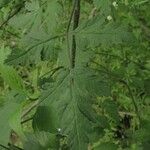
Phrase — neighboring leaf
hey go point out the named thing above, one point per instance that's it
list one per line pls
(8, 73)
(15, 122)
(38, 42)
(97, 32)
(52, 15)
(11, 77)
(35, 18)
(10, 107)
(29, 19)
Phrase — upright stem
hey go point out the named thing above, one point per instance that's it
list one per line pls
(75, 15)
(76, 18)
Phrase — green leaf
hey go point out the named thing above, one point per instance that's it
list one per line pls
(11, 107)
(53, 11)
(15, 122)
(11, 77)
(72, 98)
(97, 32)
(41, 26)
(8, 73)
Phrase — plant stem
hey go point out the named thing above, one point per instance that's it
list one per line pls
(75, 25)
(34, 105)
(4, 147)
(26, 120)
(75, 15)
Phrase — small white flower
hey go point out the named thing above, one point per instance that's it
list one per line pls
(59, 129)
(109, 18)
(115, 4)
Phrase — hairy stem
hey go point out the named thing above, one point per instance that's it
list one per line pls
(75, 25)
(75, 15)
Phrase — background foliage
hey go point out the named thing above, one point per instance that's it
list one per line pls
(74, 74)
